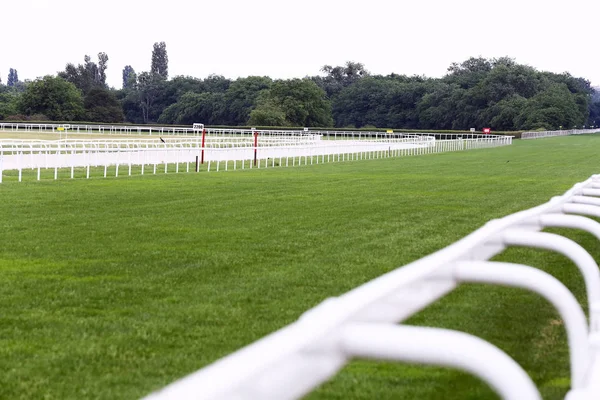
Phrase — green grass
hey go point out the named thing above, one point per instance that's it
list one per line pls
(112, 288)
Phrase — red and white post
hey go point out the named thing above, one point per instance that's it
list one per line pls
(203, 142)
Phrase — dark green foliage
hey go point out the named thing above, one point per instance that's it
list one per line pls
(8, 103)
(89, 75)
(301, 101)
(129, 100)
(439, 108)
(468, 73)
(381, 101)
(153, 96)
(207, 108)
(160, 60)
(268, 114)
(216, 84)
(129, 77)
(241, 97)
(54, 97)
(594, 118)
(102, 106)
(340, 77)
(476, 93)
(102, 65)
(149, 88)
(223, 102)
(180, 85)
(13, 77)
(551, 109)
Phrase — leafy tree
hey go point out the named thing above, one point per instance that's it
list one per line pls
(180, 85)
(503, 116)
(148, 100)
(241, 98)
(439, 108)
(468, 73)
(130, 103)
(216, 84)
(267, 115)
(380, 101)
(13, 78)
(8, 103)
(129, 77)
(580, 88)
(88, 75)
(160, 60)
(403, 101)
(208, 108)
(102, 65)
(301, 101)
(594, 118)
(149, 87)
(337, 78)
(171, 91)
(551, 109)
(102, 106)
(54, 97)
(363, 103)
(504, 81)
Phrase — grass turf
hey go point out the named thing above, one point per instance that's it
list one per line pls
(112, 288)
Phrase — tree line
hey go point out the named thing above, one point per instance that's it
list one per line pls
(496, 93)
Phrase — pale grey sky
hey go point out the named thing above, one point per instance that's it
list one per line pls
(285, 39)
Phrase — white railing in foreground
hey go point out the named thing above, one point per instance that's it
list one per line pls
(214, 153)
(363, 322)
(543, 134)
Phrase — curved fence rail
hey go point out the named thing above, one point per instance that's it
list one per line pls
(85, 158)
(544, 134)
(363, 322)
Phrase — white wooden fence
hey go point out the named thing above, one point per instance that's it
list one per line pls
(544, 134)
(108, 130)
(217, 152)
(363, 323)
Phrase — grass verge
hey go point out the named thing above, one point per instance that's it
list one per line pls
(113, 288)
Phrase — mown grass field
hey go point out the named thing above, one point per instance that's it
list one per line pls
(112, 288)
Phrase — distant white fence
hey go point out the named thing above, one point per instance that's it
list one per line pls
(223, 151)
(363, 322)
(544, 134)
(97, 129)
(59, 129)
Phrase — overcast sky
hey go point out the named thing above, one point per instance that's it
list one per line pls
(285, 39)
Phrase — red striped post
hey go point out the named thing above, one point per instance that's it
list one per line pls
(203, 139)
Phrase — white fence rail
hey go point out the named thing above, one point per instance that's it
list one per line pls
(363, 322)
(59, 129)
(220, 152)
(544, 134)
(97, 129)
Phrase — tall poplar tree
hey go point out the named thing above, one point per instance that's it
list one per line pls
(13, 78)
(160, 60)
(129, 77)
